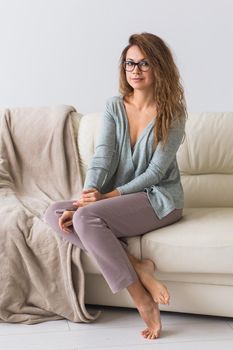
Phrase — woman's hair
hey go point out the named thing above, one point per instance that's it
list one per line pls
(168, 91)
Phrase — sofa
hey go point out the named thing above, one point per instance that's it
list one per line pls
(44, 155)
(193, 257)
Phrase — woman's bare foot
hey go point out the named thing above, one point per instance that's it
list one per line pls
(150, 314)
(157, 289)
(145, 269)
(147, 309)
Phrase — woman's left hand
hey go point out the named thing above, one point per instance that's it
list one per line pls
(88, 196)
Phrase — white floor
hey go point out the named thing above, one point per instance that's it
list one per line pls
(119, 329)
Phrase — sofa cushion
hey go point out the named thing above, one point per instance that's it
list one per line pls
(206, 160)
(201, 242)
(87, 137)
(205, 191)
(208, 146)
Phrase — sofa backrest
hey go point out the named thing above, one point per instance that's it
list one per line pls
(205, 157)
(206, 160)
(88, 130)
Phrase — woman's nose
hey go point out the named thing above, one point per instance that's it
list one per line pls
(136, 69)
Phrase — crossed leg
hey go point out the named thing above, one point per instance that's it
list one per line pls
(98, 228)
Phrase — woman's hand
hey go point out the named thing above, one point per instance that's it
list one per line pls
(65, 220)
(89, 196)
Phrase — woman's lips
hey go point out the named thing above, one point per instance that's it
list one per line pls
(137, 79)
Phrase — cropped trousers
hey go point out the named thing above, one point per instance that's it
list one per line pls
(101, 227)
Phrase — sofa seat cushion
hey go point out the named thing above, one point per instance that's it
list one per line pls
(200, 278)
(201, 242)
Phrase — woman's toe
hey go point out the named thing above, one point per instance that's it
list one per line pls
(162, 299)
(152, 335)
(148, 335)
(145, 331)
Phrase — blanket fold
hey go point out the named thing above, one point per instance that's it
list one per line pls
(39, 164)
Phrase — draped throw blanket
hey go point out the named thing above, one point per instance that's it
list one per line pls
(41, 275)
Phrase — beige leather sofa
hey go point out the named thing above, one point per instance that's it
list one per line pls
(194, 257)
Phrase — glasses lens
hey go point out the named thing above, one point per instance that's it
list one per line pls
(143, 66)
(128, 66)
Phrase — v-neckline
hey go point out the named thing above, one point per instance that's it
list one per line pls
(132, 148)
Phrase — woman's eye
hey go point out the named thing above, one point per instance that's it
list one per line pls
(144, 64)
(130, 64)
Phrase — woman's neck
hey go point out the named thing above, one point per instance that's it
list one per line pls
(142, 100)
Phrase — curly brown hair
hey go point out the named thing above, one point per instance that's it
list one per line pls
(168, 91)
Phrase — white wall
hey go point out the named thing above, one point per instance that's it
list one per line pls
(67, 51)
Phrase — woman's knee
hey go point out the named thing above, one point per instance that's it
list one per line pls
(80, 216)
(82, 219)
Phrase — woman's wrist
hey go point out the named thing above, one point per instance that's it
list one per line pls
(112, 194)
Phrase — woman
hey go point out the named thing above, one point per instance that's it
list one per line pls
(133, 183)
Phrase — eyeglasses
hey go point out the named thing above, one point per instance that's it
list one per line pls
(129, 66)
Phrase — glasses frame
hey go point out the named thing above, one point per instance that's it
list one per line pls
(134, 64)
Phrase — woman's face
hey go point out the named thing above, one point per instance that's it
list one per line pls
(138, 78)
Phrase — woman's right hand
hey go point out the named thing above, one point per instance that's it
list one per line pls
(65, 220)
(91, 195)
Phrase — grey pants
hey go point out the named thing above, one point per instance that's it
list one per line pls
(100, 228)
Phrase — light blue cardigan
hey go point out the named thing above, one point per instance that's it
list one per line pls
(116, 166)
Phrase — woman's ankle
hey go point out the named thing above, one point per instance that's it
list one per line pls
(138, 293)
(134, 261)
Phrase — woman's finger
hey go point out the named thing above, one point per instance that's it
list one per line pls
(65, 227)
(91, 199)
(89, 190)
(67, 230)
(65, 218)
(60, 223)
(68, 223)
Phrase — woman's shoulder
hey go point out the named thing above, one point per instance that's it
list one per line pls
(178, 122)
(114, 101)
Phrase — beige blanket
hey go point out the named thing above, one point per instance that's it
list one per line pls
(41, 276)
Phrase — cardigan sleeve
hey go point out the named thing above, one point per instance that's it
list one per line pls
(162, 158)
(99, 167)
